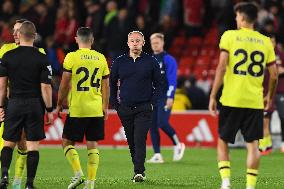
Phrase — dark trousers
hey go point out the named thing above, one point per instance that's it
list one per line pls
(136, 121)
(161, 118)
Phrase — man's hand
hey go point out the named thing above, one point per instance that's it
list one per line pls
(169, 103)
(58, 110)
(50, 118)
(267, 103)
(213, 107)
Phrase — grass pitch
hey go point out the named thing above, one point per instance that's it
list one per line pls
(197, 170)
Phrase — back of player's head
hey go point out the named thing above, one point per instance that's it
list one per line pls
(248, 9)
(157, 35)
(28, 30)
(85, 34)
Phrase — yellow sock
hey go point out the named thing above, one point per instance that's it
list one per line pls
(1, 139)
(225, 172)
(93, 163)
(262, 144)
(269, 141)
(251, 178)
(73, 158)
(20, 164)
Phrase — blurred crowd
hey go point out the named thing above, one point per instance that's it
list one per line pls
(111, 21)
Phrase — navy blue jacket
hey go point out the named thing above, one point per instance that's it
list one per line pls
(168, 66)
(140, 80)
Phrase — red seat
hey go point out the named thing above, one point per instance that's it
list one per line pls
(186, 62)
(195, 41)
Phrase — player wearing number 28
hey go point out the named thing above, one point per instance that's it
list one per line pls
(88, 102)
(244, 56)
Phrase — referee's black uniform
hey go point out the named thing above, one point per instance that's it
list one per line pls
(26, 68)
(140, 88)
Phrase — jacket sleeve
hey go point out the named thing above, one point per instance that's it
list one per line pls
(113, 84)
(157, 82)
(171, 72)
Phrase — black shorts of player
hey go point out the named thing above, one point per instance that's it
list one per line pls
(76, 128)
(24, 114)
(249, 121)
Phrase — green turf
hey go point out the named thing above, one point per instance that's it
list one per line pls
(197, 170)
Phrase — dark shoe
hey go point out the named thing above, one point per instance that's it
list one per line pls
(4, 183)
(139, 177)
(30, 187)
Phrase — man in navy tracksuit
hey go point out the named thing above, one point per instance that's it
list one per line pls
(140, 81)
(162, 112)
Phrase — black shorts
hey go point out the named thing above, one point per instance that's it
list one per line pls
(24, 114)
(76, 128)
(249, 121)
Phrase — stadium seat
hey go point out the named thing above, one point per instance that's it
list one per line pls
(195, 41)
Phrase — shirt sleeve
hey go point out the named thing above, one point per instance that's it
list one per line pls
(225, 42)
(67, 63)
(3, 67)
(113, 84)
(271, 58)
(46, 72)
(157, 82)
(171, 72)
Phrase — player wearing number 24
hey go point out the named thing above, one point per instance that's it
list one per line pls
(88, 102)
(244, 55)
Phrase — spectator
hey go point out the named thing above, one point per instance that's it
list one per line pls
(196, 95)
(181, 101)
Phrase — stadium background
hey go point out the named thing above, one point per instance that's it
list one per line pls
(192, 30)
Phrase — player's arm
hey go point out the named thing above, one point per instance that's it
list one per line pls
(63, 89)
(105, 95)
(273, 78)
(3, 94)
(3, 86)
(218, 81)
(46, 89)
(171, 71)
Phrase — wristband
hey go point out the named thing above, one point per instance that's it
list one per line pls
(49, 109)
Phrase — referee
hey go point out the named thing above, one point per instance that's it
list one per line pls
(140, 86)
(29, 76)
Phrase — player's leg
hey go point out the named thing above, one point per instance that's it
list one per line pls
(73, 131)
(20, 162)
(14, 121)
(265, 144)
(155, 138)
(34, 132)
(142, 124)
(224, 164)
(1, 133)
(253, 158)
(6, 158)
(32, 162)
(163, 123)
(229, 124)
(280, 109)
(252, 130)
(94, 132)
(126, 117)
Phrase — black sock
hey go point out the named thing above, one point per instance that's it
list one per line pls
(6, 158)
(32, 163)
